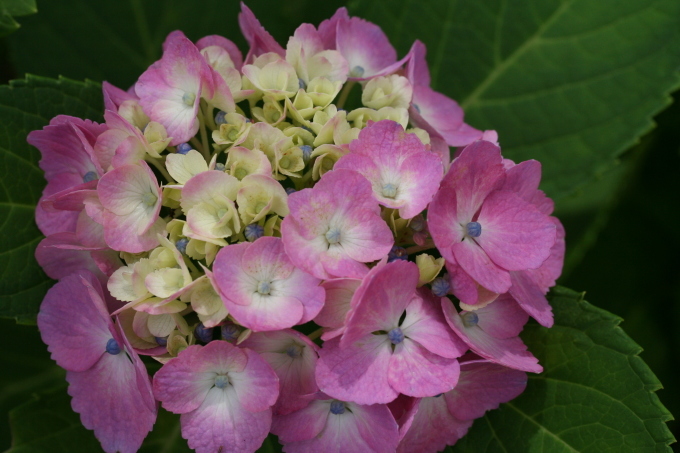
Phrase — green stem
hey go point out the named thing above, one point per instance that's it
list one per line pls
(204, 137)
(160, 166)
(419, 248)
(316, 334)
(344, 94)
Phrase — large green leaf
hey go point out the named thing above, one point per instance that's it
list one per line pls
(595, 395)
(26, 105)
(12, 8)
(116, 40)
(572, 83)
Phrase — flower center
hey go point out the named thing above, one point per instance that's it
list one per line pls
(112, 347)
(149, 199)
(264, 288)
(189, 99)
(389, 190)
(294, 350)
(221, 381)
(470, 319)
(338, 407)
(333, 235)
(357, 71)
(395, 335)
(89, 176)
(474, 229)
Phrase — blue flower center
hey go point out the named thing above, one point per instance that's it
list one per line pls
(333, 235)
(162, 341)
(221, 381)
(230, 332)
(389, 190)
(89, 176)
(474, 229)
(357, 71)
(264, 288)
(188, 99)
(397, 253)
(253, 231)
(294, 350)
(338, 407)
(112, 347)
(395, 335)
(440, 286)
(183, 148)
(470, 319)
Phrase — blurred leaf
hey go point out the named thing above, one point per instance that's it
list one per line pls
(572, 83)
(26, 369)
(11, 8)
(595, 395)
(117, 40)
(26, 105)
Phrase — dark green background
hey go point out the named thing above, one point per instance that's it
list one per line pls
(623, 242)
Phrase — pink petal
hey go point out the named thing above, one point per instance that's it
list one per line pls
(257, 386)
(328, 27)
(415, 371)
(425, 324)
(386, 293)
(301, 425)
(231, 48)
(339, 294)
(258, 38)
(364, 45)
(358, 372)
(74, 325)
(510, 352)
(479, 266)
(417, 70)
(222, 424)
(59, 258)
(473, 175)
(433, 427)
(530, 297)
(114, 96)
(515, 235)
(482, 387)
(109, 401)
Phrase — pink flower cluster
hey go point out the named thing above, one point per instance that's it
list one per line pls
(235, 221)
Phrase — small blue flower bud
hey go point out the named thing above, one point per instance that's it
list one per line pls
(162, 341)
(357, 71)
(397, 253)
(474, 229)
(307, 129)
(183, 148)
(395, 335)
(181, 245)
(441, 286)
(219, 166)
(220, 118)
(470, 319)
(290, 190)
(253, 232)
(248, 120)
(203, 333)
(230, 332)
(302, 84)
(338, 407)
(306, 152)
(90, 176)
(221, 381)
(112, 347)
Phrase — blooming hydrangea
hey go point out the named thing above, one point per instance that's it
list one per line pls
(236, 221)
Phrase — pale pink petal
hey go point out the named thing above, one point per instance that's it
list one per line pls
(503, 318)
(417, 70)
(358, 372)
(222, 424)
(231, 48)
(303, 424)
(109, 401)
(257, 386)
(114, 96)
(339, 294)
(328, 27)
(59, 258)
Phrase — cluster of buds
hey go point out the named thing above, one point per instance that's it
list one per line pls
(235, 221)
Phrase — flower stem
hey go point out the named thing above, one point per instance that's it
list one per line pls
(316, 334)
(344, 94)
(160, 166)
(419, 248)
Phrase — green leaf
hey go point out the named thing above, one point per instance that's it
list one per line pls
(117, 40)
(572, 83)
(595, 395)
(26, 105)
(47, 424)
(11, 8)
